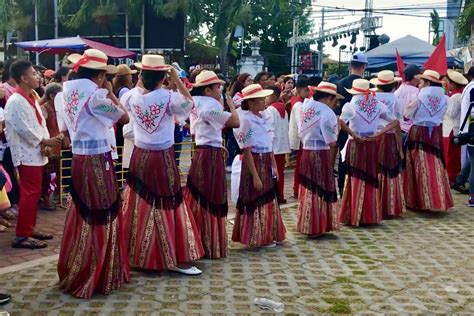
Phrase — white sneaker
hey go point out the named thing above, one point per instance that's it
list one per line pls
(188, 271)
(272, 245)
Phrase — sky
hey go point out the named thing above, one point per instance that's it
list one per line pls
(394, 26)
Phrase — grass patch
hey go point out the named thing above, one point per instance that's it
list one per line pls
(338, 306)
(344, 280)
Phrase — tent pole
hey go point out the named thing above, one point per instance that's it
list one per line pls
(36, 29)
(56, 32)
(142, 31)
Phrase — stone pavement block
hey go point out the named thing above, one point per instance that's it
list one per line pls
(402, 266)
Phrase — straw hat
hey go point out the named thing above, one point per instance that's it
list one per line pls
(430, 75)
(153, 63)
(385, 77)
(206, 78)
(360, 86)
(124, 70)
(255, 91)
(457, 77)
(91, 59)
(111, 69)
(328, 88)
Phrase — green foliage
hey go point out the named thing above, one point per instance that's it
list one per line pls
(435, 23)
(466, 19)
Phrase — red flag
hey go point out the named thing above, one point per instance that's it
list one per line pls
(438, 60)
(400, 66)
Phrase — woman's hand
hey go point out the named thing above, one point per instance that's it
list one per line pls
(257, 184)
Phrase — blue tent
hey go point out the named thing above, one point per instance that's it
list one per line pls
(411, 49)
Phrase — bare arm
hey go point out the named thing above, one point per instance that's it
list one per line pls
(346, 129)
(179, 84)
(333, 153)
(233, 121)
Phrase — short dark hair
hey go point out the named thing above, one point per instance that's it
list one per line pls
(470, 73)
(387, 87)
(279, 74)
(199, 91)
(288, 79)
(52, 88)
(6, 73)
(260, 75)
(58, 75)
(318, 95)
(315, 80)
(87, 73)
(18, 69)
(276, 91)
(245, 105)
(432, 83)
(357, 64)
(151, 78)
(302, 83)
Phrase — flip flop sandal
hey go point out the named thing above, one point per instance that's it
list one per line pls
(8, 215)
(41, 236)
(28, 243)
(189, 271)
(2, 228)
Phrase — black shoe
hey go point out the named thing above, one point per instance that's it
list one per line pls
(459, 188)
(4, 298)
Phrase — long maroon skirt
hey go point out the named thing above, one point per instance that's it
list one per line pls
(360, 204)
(425, 176)
(206, 197)
(161, 232)
(317, 210)
(93, 256)
(392, 200)
(258, 221)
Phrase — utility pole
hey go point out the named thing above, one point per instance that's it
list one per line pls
(321, 47)
(36, 29)
(293, 47)
(56, 32)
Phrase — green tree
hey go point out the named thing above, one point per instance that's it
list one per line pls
(435, 23)
(466, 19)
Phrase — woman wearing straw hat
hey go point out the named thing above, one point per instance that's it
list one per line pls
(206, 188)
(425, 176)
(317, 196)
(258, 221)
(390, 153)
(93, 256)
(360, 202)
(161, 232)
(452, 152)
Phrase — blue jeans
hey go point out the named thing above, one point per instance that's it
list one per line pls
(232, 146)
(470, 150)
(178, 138)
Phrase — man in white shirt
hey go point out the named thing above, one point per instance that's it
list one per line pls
(26, 133)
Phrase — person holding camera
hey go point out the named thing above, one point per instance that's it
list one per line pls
(466, 135)
(426, 179)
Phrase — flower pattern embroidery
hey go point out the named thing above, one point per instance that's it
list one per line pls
(367, 109)
(387, 103)
(309, 114)
(72, 105)
(149, 118)
(433, 105)
(243, 137)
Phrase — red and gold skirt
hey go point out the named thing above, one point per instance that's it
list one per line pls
(206, 197)
(425, 176)
(93, 256)
(258, 221)
(392, 200)
(317, 210)
(161, 232)
(360, 204)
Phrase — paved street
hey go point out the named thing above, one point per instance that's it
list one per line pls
(421, 263)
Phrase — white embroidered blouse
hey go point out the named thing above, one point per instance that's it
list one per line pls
(86, 112)
(430, 106)
(208, 118)
(23, 131)
(317, 125)
(255, 132)
(393, 106)
(364, 114)
(154, 117)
